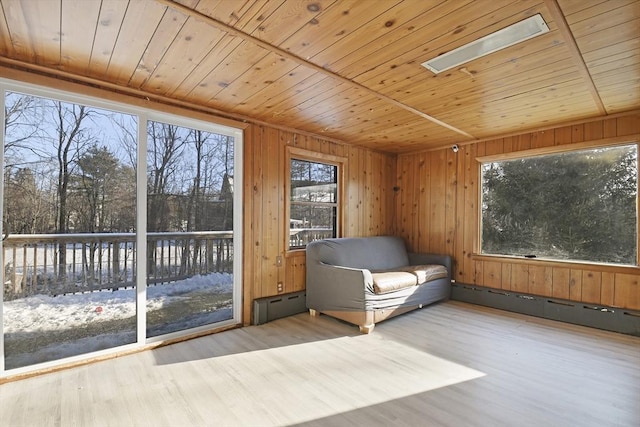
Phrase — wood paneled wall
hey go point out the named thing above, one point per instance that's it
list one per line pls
(369, 175)
(437, 211)
(368, 210)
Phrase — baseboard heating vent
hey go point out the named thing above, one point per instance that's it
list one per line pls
(593, 315)
(271, 308)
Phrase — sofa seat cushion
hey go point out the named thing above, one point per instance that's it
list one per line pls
(426, 273)
(389, 281)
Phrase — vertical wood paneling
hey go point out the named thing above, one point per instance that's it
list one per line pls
(450, 202)
(508, 144)
(437, 187)
(365, 179)
(295, 272)
(575, 285)
(542, 139)
(459, 247)
(627, 291)
(591, 286)
(272, 211)
(249, 225)
(577, 133)
(446, 196)
(540, 280)
(561, 280)
(593, 130)
(522, 142)
(520, 278)
(478, 271)
(492, 274)
(419, 223)
(507, 281)
(406, 220)
(353, 193)
(628, 125)
(494, 147)
(377, 196)
(610, 127)
(470, 216)
(562, 134)
(368, 205)
(607, 291)
(388, 224)
(424, 204)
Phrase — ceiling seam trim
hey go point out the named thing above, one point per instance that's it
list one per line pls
(274, 49)
(574, 51)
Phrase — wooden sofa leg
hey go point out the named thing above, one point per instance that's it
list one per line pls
(366, 329)
(314, 313)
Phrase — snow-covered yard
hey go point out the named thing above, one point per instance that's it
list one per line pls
(42, 328)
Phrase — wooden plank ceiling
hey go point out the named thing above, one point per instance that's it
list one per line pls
(343, 69)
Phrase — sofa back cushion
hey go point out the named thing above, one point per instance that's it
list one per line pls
(372, 253)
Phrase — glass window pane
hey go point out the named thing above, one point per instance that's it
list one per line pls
(315, 222)
(313, 182)
(69, 223)
(578, 205)
(190, 220)
(313, 202)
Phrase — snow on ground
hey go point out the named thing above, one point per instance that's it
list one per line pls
(42, 312)
(41, 328)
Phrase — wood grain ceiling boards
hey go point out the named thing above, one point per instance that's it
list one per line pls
(344, 69)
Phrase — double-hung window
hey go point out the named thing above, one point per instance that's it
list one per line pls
(314, 193)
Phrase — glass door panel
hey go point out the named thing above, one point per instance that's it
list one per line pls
(190, 228)
(69, 214)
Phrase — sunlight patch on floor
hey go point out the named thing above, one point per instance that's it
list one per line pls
(364, 371)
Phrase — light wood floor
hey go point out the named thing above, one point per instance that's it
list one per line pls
(451, 364)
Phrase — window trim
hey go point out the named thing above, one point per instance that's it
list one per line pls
(556, 149)
(312, 156)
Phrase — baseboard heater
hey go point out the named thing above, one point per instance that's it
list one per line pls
(594, 315)
(271, 308)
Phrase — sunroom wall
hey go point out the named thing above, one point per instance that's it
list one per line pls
(437, 210)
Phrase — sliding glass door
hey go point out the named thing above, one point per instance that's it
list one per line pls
(119, 227)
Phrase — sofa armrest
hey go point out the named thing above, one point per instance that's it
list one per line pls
(420, 259)
(331, 287)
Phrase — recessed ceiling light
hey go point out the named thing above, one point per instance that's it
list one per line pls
(513, 34)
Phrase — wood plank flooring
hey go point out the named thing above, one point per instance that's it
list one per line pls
(451, 364)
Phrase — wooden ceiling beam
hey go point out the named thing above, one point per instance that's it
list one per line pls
(281, 52)
(574, 51)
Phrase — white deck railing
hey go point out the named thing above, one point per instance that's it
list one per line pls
(300, 237)
(54, 264)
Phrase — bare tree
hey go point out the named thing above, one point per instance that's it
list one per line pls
(22, 125)
(71, 136)
(126, 127)
(165, 146)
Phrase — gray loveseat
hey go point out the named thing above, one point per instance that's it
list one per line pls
(365, 280)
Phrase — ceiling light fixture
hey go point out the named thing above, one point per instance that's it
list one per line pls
(513, 34)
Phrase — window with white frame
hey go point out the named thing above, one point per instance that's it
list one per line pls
(121, 226)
